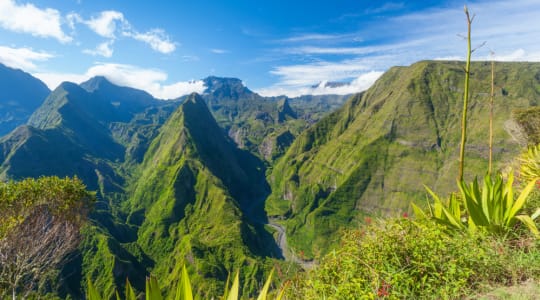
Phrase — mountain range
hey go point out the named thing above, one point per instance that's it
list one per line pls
(204, 180)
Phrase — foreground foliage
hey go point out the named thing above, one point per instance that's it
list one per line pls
(40, 221)
(406, 259)
(183, 290)
(491, 208)
(530, 164)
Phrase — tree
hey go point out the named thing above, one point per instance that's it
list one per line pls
(40, 221)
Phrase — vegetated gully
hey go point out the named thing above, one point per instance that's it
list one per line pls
(281, 237)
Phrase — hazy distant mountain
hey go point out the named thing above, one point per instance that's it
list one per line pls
(21, 95)
(254, 122)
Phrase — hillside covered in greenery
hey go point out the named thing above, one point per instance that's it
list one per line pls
(375, 154)
(230, 180)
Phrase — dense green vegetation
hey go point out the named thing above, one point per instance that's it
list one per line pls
(185, 182)
(407, 259)
(376, 153)
(184, 290)
(40, 221)
(529, 120)
(265, 126)
(187, 203)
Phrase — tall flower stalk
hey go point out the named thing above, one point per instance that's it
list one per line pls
(492, 95)
(465, 97)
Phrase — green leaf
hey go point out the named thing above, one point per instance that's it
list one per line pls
(518, 205)
(92, 293)
(471, 205)
(183, 291)
(418, 212)
(264, 291)
(234, 291)
(536, 214)
(226, 292)
(130, 293)
(152, 289)
(509, 193)
(450, 218)
(437, 205)
(486, 196)
(530, 224)
(282, 291)
(455, 207)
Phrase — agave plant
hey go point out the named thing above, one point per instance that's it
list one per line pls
(492, 207)
(183, 291)
(530, 164)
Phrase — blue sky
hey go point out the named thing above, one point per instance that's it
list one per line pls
(276, 47)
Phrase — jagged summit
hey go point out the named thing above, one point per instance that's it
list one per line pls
(95, 83)
(285, 110)
(228, 88)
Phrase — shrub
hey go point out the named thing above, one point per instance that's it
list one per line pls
(400, 259)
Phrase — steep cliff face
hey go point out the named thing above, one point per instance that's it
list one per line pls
(374, 155)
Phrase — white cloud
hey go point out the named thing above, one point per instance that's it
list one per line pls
(104, 49)
(156, 38)
(72, 19)
(22, 58)
(389, 6)
(105, 23)
(309, 74)
(53, 80)
(518, 55)
(190, 58)
(404, 39)
(181, 88)
(359, 84)
(109, 23)
(150, 80)
(317, 37)
(27, 18)
(219, 51)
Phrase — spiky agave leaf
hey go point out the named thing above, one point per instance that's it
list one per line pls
(130, 293)
(91, 292)
(264, 291)
(152, 289)
(235, 288)
(184, 292)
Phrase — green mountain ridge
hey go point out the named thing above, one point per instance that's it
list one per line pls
(172, 185)
(188, 201)
(374, 155)
(184, 182)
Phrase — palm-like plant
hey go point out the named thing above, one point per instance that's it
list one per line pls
(529, 162)
(183, 291)
(491, 208)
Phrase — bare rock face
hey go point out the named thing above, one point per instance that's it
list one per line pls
(275, 146)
